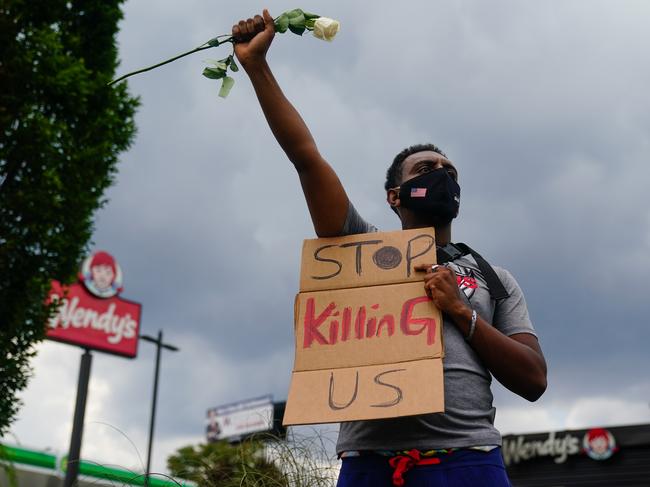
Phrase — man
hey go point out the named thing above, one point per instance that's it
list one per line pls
(483, 336)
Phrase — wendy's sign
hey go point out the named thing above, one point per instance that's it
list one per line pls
(368, 339)
(91, 314)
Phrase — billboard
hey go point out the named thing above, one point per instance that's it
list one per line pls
(239, 419)
(91, 314)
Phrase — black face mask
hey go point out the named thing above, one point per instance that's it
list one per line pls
(435, 194)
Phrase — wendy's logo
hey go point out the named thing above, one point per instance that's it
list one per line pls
(599, 444)
(101, 275)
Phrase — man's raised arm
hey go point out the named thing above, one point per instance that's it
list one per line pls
(325, 195)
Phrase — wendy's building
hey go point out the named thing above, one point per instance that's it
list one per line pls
(608, 457)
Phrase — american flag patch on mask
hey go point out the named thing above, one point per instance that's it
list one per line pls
(418, 192)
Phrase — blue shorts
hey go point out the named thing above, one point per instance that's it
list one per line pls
(463, 468)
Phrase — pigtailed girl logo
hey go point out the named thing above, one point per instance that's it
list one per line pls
(101, 275)
(599, 444)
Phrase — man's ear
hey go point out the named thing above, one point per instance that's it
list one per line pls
(392, 196)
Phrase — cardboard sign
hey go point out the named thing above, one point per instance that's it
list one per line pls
(365, 326)
(372, 392)
(365, 259)
(368, 339)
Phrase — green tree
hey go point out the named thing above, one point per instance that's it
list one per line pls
(224, 465)
(61, 131)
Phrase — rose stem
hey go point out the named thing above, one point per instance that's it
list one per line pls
(202, 47)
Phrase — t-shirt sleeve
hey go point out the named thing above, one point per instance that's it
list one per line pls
(354, 223)
(511, 313)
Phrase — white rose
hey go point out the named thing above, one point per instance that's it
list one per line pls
(325, 28)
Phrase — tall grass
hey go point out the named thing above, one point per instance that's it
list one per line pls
(260, 461)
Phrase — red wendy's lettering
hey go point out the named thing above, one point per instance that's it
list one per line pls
(367, 324)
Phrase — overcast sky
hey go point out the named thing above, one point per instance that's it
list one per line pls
(543, 107)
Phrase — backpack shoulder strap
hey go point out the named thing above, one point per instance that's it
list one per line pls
(495, 286)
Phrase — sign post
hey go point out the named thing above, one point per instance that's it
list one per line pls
(72, 469)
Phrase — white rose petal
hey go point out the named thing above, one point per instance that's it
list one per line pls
(326, 28)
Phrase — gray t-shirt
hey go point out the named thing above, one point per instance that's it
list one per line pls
(468, 420)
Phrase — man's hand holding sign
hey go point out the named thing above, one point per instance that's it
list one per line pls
(441, 284)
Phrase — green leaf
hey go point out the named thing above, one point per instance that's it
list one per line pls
(282, 24)
(297, 30)
(233, 65)
(226, 86)
(214, 42)
(220, 64)
(214, 73)
(298, 22)
(296, 12)
(310, 16)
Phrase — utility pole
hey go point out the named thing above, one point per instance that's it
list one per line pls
(159, 344)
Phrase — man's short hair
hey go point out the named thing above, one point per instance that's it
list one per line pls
(394, 173)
